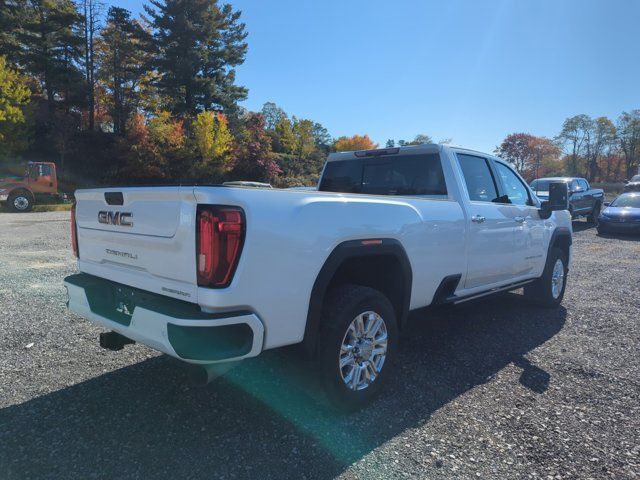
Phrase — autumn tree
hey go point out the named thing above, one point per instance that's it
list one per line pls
(357, 142)
(214, 144)
(255, 159)
(599, 141)
(199, 44)
(14, 99)
(530, 155)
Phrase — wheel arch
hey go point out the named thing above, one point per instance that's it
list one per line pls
(561, 238)
(357, 261)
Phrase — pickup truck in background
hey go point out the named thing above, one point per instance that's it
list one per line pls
(20, 192)
(212, 274)
(584, 201)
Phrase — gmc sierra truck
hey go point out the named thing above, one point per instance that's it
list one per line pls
(584, 201)
(212, 274)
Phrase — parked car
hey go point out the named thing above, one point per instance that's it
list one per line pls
(216, 274)
(584, 201)
(622, 215)
(20, 193)
(633, 185)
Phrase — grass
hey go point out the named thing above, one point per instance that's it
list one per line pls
(60, 207)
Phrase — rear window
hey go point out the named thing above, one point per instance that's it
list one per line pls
(388, 175)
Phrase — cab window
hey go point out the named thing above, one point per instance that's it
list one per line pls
(478, 178)
(514, 188)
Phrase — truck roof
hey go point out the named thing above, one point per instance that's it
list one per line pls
(407, 149)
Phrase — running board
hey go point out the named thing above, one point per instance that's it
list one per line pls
(512, 286)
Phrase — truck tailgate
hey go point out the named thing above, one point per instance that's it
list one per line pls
(143, 237)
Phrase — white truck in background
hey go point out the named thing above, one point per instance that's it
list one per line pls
(212, 274)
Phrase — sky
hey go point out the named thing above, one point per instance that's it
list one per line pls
(470, 70)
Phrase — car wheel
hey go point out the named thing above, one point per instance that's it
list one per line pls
(357, 345)
(593, 218)
(20, 202)
(548, 290)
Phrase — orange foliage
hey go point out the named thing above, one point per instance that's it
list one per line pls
(357, 142)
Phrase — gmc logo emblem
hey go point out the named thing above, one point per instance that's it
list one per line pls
(123, 219)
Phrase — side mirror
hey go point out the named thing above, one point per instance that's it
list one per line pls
(558, 199)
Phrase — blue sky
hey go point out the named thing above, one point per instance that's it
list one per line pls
(471, 70)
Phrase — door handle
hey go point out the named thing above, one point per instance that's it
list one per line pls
(477, 219)
(520, 219)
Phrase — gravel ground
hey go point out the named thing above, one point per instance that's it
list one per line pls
(493, 389)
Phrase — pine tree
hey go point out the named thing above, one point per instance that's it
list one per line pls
(199, 44)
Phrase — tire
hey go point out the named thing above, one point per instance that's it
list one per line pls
(20, 202)
(545, 291)
(593, 218)
(344, 307)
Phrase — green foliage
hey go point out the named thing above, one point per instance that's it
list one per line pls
(199, 44)
(14, 100)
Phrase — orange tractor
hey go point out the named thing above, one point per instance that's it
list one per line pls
(20, 193)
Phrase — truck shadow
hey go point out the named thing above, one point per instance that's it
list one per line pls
(144, 421)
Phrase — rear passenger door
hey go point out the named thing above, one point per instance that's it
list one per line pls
(491, 241)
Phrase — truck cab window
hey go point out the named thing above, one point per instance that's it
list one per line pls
(408, 175)
(478, 178)
(514, 188)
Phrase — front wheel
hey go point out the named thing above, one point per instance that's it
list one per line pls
(20, 202)
(357, 345)
(548, 290)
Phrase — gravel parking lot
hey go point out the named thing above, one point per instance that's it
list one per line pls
(493, 389)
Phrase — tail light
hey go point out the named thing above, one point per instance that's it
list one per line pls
(74, 232)
(219, 239)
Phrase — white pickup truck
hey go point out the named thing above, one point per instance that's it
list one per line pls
(212, 274)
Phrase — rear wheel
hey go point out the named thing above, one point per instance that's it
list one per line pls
(357, 345)
(20, 202)
(548, 290)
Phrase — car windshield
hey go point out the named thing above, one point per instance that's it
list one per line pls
(632, 201)
(542, 185)
(635, 178)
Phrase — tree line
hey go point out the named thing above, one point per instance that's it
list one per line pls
(113, 98)
(595, 148)
(116, 99)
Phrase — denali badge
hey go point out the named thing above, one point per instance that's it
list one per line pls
(122, 219)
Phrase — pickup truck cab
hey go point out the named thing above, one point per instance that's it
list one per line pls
(212, 274)
(584, 201)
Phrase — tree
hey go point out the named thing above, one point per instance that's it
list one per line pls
(272, 115)
(90, 20)
(255, 159)
(575, 130)
(50, 49)
(125, 53)
(527, 153)
(420, 139)
(357, 142)
(390, 143)
(14, 99)
(199, 44)
(598, 141)
(214, 144)
(629, 138)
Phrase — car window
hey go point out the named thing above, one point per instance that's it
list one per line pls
(583, 184)
(635, 178)
(514, 189)
(409, 175)
(574, 185)
(478, 178)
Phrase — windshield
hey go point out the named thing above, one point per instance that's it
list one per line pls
(635, 178)
(622, 201)
(542, 184)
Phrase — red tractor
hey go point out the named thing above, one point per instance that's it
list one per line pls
(20, 193)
